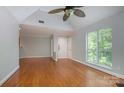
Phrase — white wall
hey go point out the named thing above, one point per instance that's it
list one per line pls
(9, 45)
(116, 22)
(35, 47)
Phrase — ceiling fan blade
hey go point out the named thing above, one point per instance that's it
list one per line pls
(65, 17)
(72, 7)
(78, 6)
(56, 11)
(79, 13)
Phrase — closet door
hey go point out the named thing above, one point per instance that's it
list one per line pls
(62, 47)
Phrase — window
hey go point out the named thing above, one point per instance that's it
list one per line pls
(99, 47)
(92, 45)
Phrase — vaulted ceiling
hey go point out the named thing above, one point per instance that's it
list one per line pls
(28, 17)
(95, 14)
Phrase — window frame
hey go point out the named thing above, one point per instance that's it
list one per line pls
(97, 51)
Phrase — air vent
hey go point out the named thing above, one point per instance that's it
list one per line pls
(40, 21)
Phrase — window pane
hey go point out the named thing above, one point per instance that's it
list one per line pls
(105, 47)
(92, 45)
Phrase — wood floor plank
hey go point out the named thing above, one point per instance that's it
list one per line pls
(44, 72)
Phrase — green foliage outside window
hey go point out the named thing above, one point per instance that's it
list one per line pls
(92, 45)
(100, 47)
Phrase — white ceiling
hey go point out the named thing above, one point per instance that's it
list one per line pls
(22, 12)
(48, 8)
(94, 14)
(29, 16)
(50, 20)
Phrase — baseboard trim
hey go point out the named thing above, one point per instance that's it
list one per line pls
(103, 70)
(54, 59)
(8, 76)
(62, 57)
(34, 57)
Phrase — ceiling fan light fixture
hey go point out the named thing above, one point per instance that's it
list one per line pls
(69, 12)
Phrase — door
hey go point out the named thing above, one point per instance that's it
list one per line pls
(62, 47)
(69, 43)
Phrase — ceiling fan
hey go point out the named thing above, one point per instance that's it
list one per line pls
(69, 10)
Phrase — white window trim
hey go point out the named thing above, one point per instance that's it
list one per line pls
(97, 49)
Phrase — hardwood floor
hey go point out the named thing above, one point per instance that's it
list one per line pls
(35, 72)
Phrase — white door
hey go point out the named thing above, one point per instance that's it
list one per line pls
(69, 47)
(62, 47)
